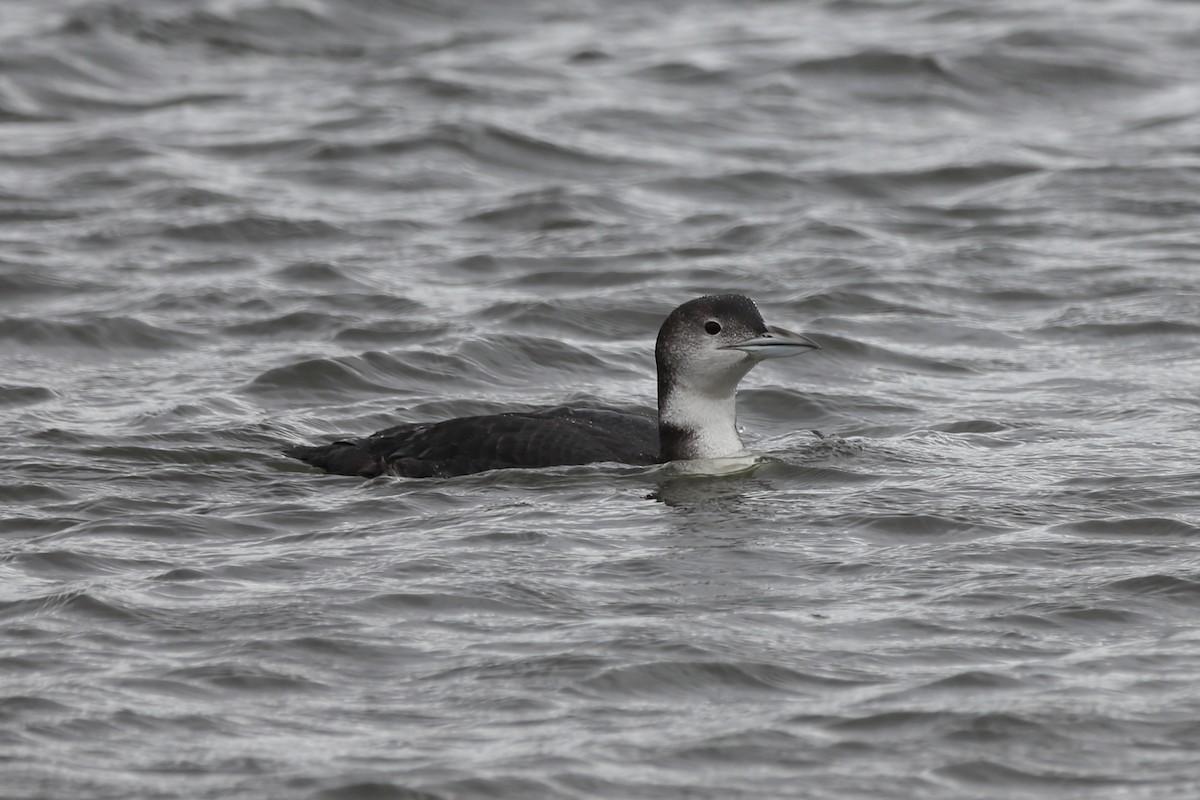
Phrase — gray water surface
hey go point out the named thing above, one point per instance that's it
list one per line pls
(229, 226)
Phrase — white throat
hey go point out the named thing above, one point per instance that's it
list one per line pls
(705, 417)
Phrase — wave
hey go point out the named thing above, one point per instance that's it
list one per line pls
(94, 334)
(11, 395)
(486, 144)
(76, 603)
(1132, 528)
(966, 73)
(711, 679)
(553, 209)
(861, 355)
(251, 228)
(350, 376)
(277, 30)
(876, 64)
(916, 526)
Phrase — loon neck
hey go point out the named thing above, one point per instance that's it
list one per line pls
(696, 424)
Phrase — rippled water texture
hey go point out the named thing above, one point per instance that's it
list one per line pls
(229, 226)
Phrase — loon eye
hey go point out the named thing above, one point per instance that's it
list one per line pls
(713, 327)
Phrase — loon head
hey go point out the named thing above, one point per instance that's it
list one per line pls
(705, 347)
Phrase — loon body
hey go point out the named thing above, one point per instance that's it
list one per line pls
(704, 348)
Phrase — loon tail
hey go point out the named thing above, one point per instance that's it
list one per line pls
(339, 458)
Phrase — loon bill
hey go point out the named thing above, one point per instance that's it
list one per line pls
(704, 348)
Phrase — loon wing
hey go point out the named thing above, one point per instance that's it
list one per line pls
(542, 438)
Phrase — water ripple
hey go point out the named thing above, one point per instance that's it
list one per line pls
(961, 565)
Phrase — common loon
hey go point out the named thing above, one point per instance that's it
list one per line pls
(704, 348)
